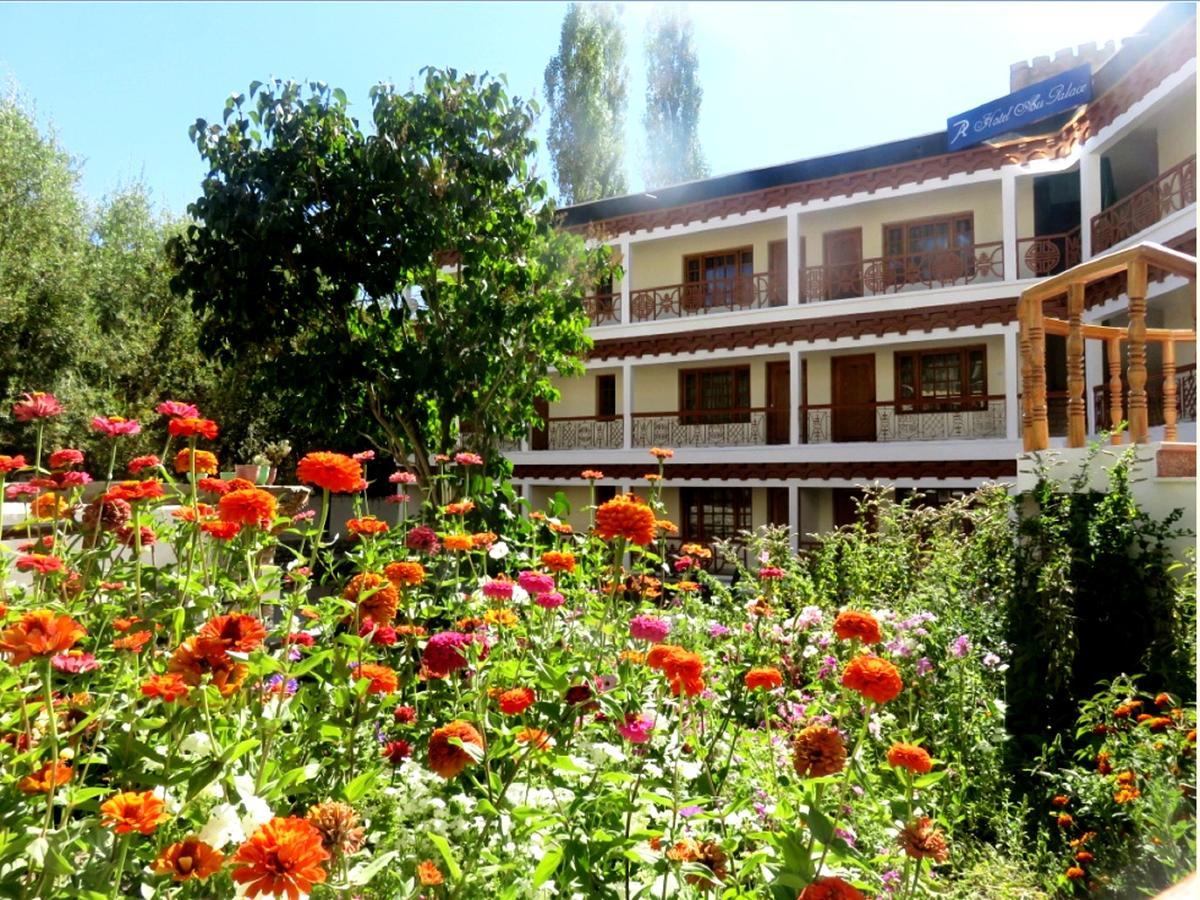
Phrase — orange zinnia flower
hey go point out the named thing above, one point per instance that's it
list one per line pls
(921, 840)
(133, 491)
(682, 668)
(191, 426)
(191, 662)
(909, 756)
(1074, 873)
(283, 857)
(459, 509)
(248, 507)
(49, 776)
(335, 472)
(50, 506)
(223, 530)
(830, 888)
(458, 542)
(206, 463)
(768, 678)
(557, 561)
(874, 678)
(404, 574)
(168, 688)
(818, 750)
(39, 633)
(516, 701)
(133, 811)
(375, 595)
(383, 678)
(368, 525)
(428, 873)
(661, 453)
(448, 759)
(861, 625)
(504, 618)
(235, 631)
(626, 517)
(483, 540)
(535, 736)
(189, 858)
(134, 642)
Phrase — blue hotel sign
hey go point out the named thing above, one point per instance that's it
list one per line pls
(1030, 104)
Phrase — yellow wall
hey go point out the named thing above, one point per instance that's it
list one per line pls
(579, 394)
(1177, 131)
(656, 388)
(982, 199)
(1025, 217)
(657, 263)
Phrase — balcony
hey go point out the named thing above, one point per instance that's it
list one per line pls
(693, 298)
(1049, 254)
(1170, 192)
(916, 271)
(882, 422)
(581, 433)
(1185, 400)
(603, 309)
(710, 428)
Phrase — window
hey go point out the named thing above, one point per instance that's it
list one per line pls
(714, 396)
(718, 279)
(910, 248)
(941, 380)
(606, 396)
(710, 513)
(605, 492)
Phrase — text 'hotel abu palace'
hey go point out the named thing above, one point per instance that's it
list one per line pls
(795, 331)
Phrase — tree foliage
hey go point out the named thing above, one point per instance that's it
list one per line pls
(673, 96)
(586, 89)
(406, 285)
(86, 310)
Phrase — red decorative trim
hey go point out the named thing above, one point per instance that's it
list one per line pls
(952, 468)
(1176, 461)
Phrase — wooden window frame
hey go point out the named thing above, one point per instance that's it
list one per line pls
(694, 301)
(689, 416)
(742, 512)
(895, 273)
(965, 402)
(606, 417)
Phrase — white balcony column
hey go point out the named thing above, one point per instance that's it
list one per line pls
(1089, 199)
(1093, 374)
(626, 277)
(1012, 372)
(793, 259)
(793, 517)
(627, 406)
(1008, 213)
(794, 411)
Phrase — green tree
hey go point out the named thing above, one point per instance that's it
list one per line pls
(405, 286)
(673, 96)
(586, 89)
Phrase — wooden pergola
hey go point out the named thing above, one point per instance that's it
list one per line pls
(1135, 262)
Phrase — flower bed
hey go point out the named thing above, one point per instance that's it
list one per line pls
(474, 712)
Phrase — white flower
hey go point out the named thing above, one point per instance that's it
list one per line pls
(499, 550)
(198, 743)
(223, 826)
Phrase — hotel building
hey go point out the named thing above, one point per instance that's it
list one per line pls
(797, 332)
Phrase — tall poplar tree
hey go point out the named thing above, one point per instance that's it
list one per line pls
(673, 95)
(586, 86)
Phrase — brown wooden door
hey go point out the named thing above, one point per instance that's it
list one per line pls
(540, 440)
(778, 402)
(854, 397)
(777, 273)
(843, 263)
(777, 505)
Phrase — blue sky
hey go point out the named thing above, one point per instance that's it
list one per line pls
(120, 82)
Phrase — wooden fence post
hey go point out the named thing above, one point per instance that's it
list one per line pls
(1139, 420)
(1116, 411)
(1170, 431)
(1076, 412)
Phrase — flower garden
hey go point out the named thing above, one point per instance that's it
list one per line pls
(482, 701)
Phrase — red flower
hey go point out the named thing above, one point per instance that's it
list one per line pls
(65, 459)
(235, 632)
(368, 525)
(222, 530)
(11, 463)
(516, 701)
(36, 405)
(191, 858)
(830, 888)
(213, 485)
(334, 472)
(133, 491)
(168, 688)
(39, 562)
(397, 751)
(192, 426)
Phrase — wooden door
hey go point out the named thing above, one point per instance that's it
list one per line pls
(777, 273)
(854, 397)
(777, 505)
(540, 439)
(843, 263)
(778, 402)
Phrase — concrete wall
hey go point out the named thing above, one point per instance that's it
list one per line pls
(1176, 126)
(657, 263)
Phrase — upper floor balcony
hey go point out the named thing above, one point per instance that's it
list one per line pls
(1172, 191)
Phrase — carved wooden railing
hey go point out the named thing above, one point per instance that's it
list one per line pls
(1171, 191)
(981, 418)
(891, 274)
(1048, 254)
(585, 433)
(603, 309)
(1185, 399)
(1034, 326)
(702, 428)
(693, 298)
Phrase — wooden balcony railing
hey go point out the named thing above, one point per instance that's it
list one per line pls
(1171, 191)
(1048, 254)
(1135, 262)
(892, 274)
(709, 428)
(603, 309)
(1185, 399)
(981, 418)
(694, 298)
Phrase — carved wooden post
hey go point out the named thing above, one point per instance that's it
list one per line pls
(1170, 432)
(1116, 412)
(1026, 372)
(1076, 411)
(1040, 425)
(1139, 420)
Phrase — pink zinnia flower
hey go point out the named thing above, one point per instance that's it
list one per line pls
(497, 589)
(445, 653)
(550, 600)
(72, 479)
(115, 425)
(649, 628)
(468, 459)
(177, 410)
(396, 498)
(637, 728)
(364, 456)
(17, 491)
(36, 405)
(74, 662)
(402, 478)
(422, 538)
(536, 582)
(770, 572)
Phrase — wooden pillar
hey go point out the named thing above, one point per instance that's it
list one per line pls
(1040, 424)
(1026, 374)
(1076, 410)
(1116, 412)
(1139, 421)
(1170, 432)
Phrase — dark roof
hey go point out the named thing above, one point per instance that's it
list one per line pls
(894, 153)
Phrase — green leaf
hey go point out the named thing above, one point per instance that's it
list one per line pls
(356, 788)
(443, 847)
(548, 865)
